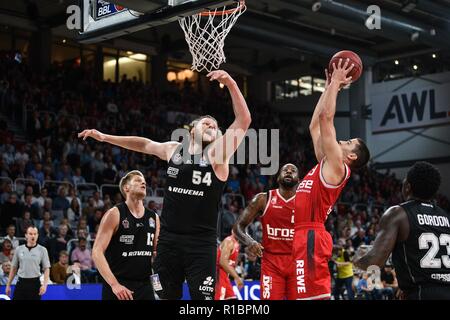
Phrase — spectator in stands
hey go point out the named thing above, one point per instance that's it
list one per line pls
(33, 208)
(21, 154)
(7, 252)
(60, 202)
(4, 169)
(46, 233)
(98, 202)
(369, 293)
(389, 280)
(8, 155)
(6, 268)
(344, 268)
(59, 243)
(359, 238)
(10, 209)
(11, 236)
(83, 225)
(28, 191)
(84, 256)
(94, 221)
(90, 208)
(109, 173)
(74, 212)
(46, 216)
(6, 193)
(24, 222)
(152, 205)
(37, 173)
(73, 195)
(42, 197)
(70, 233)
(233, 184)
(77, 177)
(64, 174)
(59, 270)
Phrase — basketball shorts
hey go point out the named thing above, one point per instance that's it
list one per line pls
(278, 280)
(224, 288)
(312, 249)
(175, 263)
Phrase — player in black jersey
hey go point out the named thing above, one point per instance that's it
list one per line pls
(417, 233)
(196, 176)
(125, 244)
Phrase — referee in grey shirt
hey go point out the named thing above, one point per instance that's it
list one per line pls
(27, 262)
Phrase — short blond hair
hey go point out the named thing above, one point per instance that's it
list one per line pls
(126, 178)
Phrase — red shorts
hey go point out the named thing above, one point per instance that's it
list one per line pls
(312, 249)
(277, 277)
(224, 289)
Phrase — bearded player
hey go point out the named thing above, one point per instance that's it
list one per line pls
(276, 211)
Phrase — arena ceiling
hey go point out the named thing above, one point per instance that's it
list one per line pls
(274, 33)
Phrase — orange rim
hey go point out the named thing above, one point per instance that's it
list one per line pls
(222, 13)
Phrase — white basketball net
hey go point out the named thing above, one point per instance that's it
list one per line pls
(205, 34)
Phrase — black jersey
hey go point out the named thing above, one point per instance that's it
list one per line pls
(191, 198)
(423, 259)
(131, 247)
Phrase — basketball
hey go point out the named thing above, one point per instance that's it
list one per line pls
(356, 72)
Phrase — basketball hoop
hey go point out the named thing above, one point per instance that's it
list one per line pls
(205, 34)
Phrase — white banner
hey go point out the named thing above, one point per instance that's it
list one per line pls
(411, 108)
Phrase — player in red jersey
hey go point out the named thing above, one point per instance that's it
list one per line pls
(320, 188)
(227, 255)
(276, 210)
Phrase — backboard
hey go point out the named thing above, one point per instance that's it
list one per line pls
(103, 20)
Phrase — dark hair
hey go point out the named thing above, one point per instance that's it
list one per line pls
(362, 153)
(424, 179)
(31, 226)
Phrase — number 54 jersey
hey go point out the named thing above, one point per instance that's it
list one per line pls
(191, 198)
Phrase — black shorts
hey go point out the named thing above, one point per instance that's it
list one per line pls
(196, 264)
(27, 289)
(428, 293)
(142, 290)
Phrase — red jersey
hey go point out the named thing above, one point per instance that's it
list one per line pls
(315, 198)
(278, 224)
(233, 256)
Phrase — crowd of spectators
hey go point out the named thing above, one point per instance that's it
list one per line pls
(66, 100)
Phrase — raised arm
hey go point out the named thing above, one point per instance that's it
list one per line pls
(390, 224)
(162, 150)
(314, 126)
(224, 147)
(251, 212)
(333, 170)
(107, 228)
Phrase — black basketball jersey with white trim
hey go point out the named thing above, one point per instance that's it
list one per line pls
(130, 250)
(191, 198)
(424, 258)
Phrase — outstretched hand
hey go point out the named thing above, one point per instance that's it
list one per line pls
(222, 76)
(95, 134)
(341, 71)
